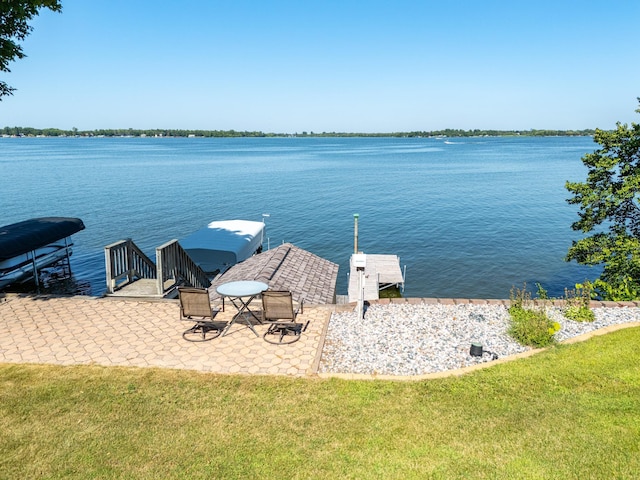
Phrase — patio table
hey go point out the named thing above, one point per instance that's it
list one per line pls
(241, 294)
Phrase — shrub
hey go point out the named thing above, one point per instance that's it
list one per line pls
(530, 326)
(577, 303)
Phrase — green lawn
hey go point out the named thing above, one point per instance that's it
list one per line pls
(570, 412)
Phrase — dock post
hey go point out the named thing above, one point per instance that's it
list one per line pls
(355, 232)
(361, 293)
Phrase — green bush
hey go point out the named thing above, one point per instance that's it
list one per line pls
(530, 326)
(579, 314)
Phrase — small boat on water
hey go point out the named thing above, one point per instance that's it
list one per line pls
(29, 246)
(222, 244)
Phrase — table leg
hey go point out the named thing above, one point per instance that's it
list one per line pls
(242, 310)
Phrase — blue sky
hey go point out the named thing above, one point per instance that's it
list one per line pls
(344, 66)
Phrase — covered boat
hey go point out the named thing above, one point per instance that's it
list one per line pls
(222, 244)
(28, 246)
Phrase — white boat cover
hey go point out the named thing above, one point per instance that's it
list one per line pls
(222, 244)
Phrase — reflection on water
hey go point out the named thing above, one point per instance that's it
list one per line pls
(53, 281)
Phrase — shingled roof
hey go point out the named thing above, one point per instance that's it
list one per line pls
(288, 267)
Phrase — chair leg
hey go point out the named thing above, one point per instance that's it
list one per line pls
(286, 333)
(198, 333)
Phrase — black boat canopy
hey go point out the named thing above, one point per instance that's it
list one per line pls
(22, 237)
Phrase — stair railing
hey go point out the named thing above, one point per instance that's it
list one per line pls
(175, 266)
(125, 261)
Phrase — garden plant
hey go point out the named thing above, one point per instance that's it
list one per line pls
(530, 325)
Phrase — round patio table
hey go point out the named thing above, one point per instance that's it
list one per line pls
(241, 294)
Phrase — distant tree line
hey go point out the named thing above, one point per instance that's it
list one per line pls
(449, 132)
(502, 133)
(132, 132)
(124, 132)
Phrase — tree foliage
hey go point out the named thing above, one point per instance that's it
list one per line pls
(609, 203)
(14, 28)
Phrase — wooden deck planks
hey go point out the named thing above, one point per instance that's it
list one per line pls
(379, 270)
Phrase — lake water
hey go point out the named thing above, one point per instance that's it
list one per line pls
(469, 217)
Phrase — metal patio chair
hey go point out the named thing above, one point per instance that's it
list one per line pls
(195, 306)
(278, 308)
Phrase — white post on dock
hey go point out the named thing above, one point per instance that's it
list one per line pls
(355, 232)
(360, 262)
(264, 215)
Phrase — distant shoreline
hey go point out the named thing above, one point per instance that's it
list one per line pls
(13, 132)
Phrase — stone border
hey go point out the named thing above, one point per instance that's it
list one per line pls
(315, 365)
(493, 301)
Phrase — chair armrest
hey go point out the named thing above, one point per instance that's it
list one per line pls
(218, 303)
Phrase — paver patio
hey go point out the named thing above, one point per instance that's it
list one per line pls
(114, 332)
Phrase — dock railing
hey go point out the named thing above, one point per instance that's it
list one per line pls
(125, 263)
(175, 266)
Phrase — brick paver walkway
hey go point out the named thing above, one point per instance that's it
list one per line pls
(110, 332)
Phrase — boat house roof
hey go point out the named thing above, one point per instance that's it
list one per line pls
(22, 237)
(223, 243)
(287, 267)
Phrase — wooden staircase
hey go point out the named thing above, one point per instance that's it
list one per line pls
(130, 273)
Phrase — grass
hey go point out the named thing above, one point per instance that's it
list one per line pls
(570, 412)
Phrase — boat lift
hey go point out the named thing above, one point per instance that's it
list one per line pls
(29, 246)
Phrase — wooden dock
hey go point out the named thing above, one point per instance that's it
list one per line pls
(381, 271)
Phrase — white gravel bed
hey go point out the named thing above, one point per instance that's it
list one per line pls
(414, 339)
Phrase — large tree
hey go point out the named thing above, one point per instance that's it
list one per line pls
(14, 28)
(609, 204)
